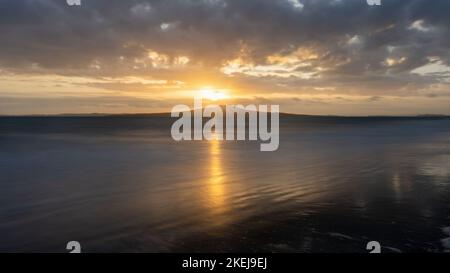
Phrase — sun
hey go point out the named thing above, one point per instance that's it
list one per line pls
(210, 93)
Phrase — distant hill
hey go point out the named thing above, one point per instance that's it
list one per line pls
(282, 115)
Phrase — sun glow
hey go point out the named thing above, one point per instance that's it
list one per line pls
(209, 93)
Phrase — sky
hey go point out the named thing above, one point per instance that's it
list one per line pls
(320, 57)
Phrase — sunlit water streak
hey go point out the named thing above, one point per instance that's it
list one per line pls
(215, 183)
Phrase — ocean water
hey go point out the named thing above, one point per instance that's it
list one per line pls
(121, 184)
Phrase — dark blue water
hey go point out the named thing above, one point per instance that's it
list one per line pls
(121, 184)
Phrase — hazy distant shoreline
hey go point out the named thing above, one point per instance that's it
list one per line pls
(165, 115)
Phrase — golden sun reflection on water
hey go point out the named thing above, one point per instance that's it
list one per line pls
(215, 184)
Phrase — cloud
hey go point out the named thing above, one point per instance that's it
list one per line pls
(261, 46)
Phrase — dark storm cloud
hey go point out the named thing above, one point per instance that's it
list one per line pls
(353, 40)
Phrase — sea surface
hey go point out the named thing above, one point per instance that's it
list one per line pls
(121, 184)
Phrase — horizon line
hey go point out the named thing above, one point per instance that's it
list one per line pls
(168, 115)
